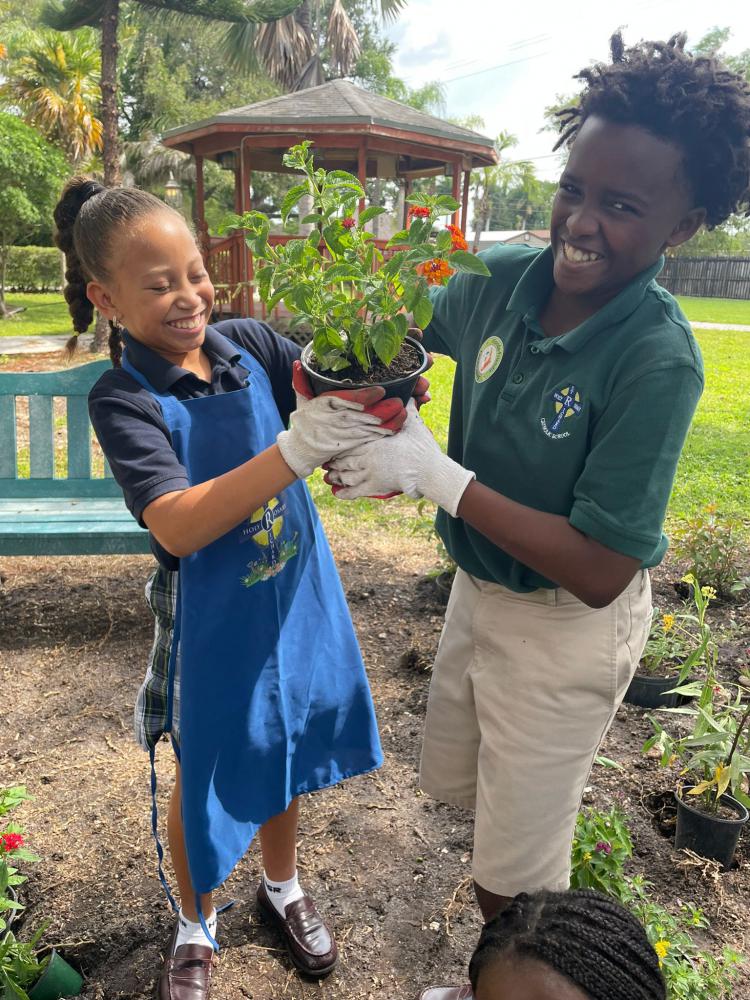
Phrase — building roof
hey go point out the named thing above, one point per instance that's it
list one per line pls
(503, 235)
(337, 102)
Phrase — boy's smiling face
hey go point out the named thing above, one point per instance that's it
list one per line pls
(623, 199)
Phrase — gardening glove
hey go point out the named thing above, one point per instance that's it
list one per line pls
(410, 462)
(323, 426)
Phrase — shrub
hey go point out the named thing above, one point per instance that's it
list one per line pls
(713, 550)
(34, 269)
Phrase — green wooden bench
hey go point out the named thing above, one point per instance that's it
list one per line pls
(45, 514)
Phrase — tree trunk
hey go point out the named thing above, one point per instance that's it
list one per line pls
(111, 151)
(3, 262)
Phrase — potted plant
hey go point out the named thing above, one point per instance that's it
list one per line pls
(355, 301)
(24, 975)
(676, 645)
(714, 759)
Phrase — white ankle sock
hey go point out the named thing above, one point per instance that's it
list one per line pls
(191, 932)
(282, 894)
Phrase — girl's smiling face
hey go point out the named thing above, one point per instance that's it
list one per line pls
(158, 288)
(622, 200)
(525, 979)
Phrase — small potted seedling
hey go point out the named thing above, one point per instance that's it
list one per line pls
(355, 299)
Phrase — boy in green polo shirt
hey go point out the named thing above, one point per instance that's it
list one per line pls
(577, 378)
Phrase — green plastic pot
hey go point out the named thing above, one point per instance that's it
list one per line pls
(58, 980)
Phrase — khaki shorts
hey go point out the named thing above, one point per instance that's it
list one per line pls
(523, 690)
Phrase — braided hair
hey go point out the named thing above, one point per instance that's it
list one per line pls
(691, 101)
(88, 217)
(585, 936)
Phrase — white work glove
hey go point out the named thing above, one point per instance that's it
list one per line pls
(324, 426)
(409, 462)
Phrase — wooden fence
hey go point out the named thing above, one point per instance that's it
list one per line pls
(710, 277)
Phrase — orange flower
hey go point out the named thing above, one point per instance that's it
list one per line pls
(436, 271)
(458, 238)
(419, 211)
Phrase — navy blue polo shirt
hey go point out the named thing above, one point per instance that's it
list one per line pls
(128, 419)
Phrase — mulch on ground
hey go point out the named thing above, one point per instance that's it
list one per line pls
(388, 865)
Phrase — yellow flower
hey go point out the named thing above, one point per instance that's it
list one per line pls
(661, 948)
(668, 622)
(709, 593)
(587, 856)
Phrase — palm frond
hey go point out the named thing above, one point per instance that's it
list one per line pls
(343, 43)
(72, 14)
(150, 163)
(284, 48)
(239, 46)
(390, 9)
(312, 75)
(233, 11)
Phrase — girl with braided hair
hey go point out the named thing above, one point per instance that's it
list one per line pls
(577, 945)
(192, 420)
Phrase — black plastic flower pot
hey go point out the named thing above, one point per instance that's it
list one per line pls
(397, 388)
(650, 692)
(708, 835)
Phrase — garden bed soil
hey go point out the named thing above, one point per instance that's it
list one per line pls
(387, 864)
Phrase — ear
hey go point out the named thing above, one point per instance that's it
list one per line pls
(99, 295)
(687, 227)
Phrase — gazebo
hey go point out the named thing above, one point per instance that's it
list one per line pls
(352, 129)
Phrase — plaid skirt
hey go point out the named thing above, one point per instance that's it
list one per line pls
(150, 716)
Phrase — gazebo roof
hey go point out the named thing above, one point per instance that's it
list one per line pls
(337, 108)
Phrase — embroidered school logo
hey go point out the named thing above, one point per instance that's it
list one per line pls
(489, 358)
(567, 402)
(264, 527)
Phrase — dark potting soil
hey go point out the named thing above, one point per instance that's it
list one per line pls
(722, 812)
(406, 362)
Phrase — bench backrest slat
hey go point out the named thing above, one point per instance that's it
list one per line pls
(41, 388)
(41, 438)
(7, 437)
(79, 438)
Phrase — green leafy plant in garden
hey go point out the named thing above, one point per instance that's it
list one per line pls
(675, 643)
(602, 847)
(337, 281)
(20, 966)
(714, 755)
(12, 850)
(714, 550)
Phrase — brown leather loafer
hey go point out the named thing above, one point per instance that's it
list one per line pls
(308, 938)
(186, 974)
(447, 993)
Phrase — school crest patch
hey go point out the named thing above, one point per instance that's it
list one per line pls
(489, 358)
(567, 404)
(264, 527)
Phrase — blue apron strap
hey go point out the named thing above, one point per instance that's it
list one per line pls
(155, 832)
(199, 909)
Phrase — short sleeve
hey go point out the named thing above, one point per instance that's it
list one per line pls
(443, 333)
(136, 442)
(622, 494)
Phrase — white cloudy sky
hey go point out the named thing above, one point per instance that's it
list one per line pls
(507, 59)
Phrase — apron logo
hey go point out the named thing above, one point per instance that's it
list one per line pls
(489, 358)
(567, 404)
(264, 528)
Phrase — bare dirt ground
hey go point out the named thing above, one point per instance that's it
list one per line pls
(388, 865)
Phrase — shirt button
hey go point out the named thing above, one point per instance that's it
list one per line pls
(534, 349)
(517, 378)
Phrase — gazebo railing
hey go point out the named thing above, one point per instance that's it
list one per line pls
(230, 266)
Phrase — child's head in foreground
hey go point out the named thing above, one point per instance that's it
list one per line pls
(577, 945)
(659, 145)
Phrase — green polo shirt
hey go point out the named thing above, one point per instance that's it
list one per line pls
(589, 425)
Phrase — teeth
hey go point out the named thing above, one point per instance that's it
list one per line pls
(578, 256)
(187, 324)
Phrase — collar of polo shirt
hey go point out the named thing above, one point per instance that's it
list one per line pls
(162, 374)
(533, 289)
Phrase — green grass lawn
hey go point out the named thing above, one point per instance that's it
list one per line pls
(713, 468)
(715, 310)
(44, 313)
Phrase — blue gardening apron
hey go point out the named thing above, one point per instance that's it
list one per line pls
(274, 700)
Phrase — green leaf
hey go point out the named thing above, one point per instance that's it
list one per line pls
(385, 340)
(341, 178)
(312, 218)
(398, 239)
(342, 272)
(291, 198)
(462, 260)
(419, 231)
(446, 202)
(444, 240)
(371, 213)
(422, 312)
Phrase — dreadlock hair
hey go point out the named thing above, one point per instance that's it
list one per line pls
(589, 938)
(691, 101)
(88, 217)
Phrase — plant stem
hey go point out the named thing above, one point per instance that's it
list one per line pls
(737, 735)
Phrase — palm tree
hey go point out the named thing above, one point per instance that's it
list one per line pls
(498, 180)
(53, 78)
(67, 15)
(290, 48)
